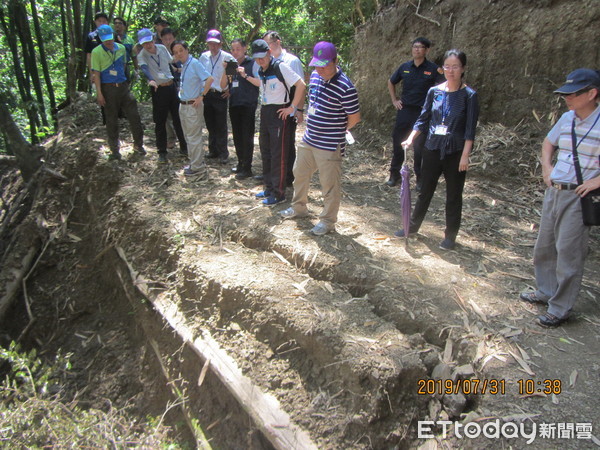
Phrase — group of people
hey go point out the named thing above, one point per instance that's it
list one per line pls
(437, 115)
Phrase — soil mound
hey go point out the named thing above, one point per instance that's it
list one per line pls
(518, 52)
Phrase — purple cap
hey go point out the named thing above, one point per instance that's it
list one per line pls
(323, 54)
(105, 33)
(579, 79)
(145, 35)
(213, 36)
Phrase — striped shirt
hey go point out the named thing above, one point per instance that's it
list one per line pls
(588, 147)
(330, 104)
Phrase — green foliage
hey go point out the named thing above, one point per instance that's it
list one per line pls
(32, 414)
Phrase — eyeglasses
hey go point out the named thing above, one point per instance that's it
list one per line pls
(419, 47)
(452, 68)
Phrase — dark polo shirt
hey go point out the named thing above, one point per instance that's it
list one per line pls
(416, 81)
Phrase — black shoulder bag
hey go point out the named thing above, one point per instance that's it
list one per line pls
(590, 204)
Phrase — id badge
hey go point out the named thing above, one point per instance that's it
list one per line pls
(113, 73)
(312, 109)
(235, 84)
(441, 130)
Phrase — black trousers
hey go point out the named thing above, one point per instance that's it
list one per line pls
(243, 120)
(405, 120)
(274, 137)
(433, 167)
(164, 101)
(215, 117)
(117, 98)
(291, 150)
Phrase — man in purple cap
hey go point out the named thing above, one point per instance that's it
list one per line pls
(112, 90)
(332, 110)
(215, 103)
(562, 242)
(155, 62)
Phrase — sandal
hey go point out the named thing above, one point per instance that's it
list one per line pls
(550, 320)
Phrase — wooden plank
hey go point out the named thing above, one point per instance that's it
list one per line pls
(264, 409)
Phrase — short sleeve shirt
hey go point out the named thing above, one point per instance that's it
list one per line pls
(158, 63)
(110, 64)
(417, 80)
(293, 61)
(193, 75)
(214, 66)
(588, 148)
(273, 90)
(330, 104)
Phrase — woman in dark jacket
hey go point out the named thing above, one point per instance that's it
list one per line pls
(449, 117)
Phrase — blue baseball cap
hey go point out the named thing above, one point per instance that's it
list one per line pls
(105, 33)
(144, 35)
(579, 79)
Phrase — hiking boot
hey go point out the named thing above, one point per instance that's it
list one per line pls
(139, 151)
(321, 229)
(115, 156)
(551, 321)
(162, 158)
(531, 297)
(243, 175)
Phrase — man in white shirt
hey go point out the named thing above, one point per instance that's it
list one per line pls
(215, 103)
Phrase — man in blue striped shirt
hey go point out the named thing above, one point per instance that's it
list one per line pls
(332, 110)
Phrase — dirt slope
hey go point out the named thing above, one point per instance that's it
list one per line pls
(518, 51)
(339, 329)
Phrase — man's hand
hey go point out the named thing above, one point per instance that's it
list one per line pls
(198, 102)
(285, 112)
(397, 104)
(226, 94)
(100, 99)
(546, 171)
(153, 84)
(587, 186)
(463, 165)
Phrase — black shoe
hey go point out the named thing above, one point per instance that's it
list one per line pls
(243, 175)
(223, 161)
(162, 158)
(394, 180)
(550, 320)
(419, 184)
(447, 244)
(114, 156)
(212, 156)
(259, 177)
(183, 153)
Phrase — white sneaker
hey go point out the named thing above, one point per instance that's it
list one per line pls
(288, 213)
(321, 229)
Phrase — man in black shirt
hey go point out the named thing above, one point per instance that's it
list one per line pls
(417, 76)
(92, 40)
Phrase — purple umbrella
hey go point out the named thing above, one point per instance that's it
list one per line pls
(405, 197)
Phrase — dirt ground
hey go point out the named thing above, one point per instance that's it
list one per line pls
(340, 329)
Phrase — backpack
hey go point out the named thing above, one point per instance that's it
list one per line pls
(276, 70)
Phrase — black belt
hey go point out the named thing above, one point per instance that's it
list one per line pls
(187, 102)
(114, 84)
(564, 187)
(215, 91)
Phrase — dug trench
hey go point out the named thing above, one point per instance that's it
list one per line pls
(191, 298)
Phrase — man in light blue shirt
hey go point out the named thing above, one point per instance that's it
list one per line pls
(195, 83)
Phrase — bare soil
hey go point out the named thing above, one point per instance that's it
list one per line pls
(339, 328)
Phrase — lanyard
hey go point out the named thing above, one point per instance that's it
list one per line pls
(215, 63)
(112, 54)
(184, 69)
(445, 107)
(157, 62)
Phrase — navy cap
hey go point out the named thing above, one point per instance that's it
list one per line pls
(259, 48)
(579, 79)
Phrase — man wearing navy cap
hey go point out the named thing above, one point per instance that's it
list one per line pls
(155, 62)
(92, 40)
(215, 103)
(276, 113)
(417, 76)
(562, 242)
(332, 110)
(112, 90)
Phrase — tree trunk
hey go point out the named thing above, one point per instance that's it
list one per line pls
(211, 14)
(43, 60)
(27, 155)
(22, 82)
(72, 59)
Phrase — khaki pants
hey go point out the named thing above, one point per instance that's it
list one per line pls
(309, 159)
(192, 122)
